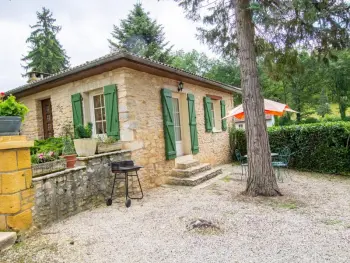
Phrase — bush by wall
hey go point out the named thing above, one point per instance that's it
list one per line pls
(319, 147)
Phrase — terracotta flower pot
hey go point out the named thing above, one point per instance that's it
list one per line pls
(71, 160)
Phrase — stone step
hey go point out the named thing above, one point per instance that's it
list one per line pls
(186, 164)
(190, 171)
(7, 239)
(195, 179)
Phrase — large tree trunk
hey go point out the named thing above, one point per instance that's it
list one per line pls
(261, 176)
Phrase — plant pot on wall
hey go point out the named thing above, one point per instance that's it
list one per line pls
(85, 147)
(71, 160)
(103, 147)
(10, 125)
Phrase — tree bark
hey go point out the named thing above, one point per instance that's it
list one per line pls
(261, 176)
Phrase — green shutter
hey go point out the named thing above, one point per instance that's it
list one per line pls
(168, 120)
(193, 123)
(207, 114)
(223, 114)
(112, 113)
(77, 108)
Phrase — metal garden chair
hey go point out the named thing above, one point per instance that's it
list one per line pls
(282, 162)
(243, 162)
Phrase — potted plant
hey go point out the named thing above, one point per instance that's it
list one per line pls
(45, 163)
(11, 115)
(84, 144)
(108, 145)
(68, 151)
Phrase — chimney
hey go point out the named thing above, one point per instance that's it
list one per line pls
(36, 76)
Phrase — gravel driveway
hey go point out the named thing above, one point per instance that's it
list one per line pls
(310, 223)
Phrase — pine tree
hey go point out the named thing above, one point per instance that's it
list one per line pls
(250, 28)
(141, 35)
(46, 54)
(323, 107)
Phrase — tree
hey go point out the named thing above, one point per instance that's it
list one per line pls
(248, 27)
(46, 54)
(323, 107)
(141, 35)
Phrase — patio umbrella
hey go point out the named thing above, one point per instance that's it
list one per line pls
(271, 107)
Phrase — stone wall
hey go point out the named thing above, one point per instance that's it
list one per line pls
(145, 120)
(63, 194)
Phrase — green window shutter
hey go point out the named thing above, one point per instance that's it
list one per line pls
(207, 114)
(223, 114)
(193, 123)
(77, 108)
(168, 120)
(112, 112)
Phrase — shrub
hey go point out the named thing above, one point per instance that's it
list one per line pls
(44, 157)
(10, 107)
(320, 147)
(47, 145)
(83, 132)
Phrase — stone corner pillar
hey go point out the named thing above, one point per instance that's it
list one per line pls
(16, 191)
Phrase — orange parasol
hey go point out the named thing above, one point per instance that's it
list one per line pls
(271, 107)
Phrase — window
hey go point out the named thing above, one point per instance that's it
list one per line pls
(99, 114)
(213, 113)
(240, 126)
(216, 115)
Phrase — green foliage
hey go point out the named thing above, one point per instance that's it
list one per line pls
(324, 107)
(141, 35)
(46, 54)
(10, 107)
(67, 139)
(84, 132)
(320, 147)
(48, 145)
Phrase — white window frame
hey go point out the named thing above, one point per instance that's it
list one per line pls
(92, 112)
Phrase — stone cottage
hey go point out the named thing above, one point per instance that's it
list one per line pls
(167, 117)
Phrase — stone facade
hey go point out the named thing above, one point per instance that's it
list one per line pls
(63, 194)
(146, 120)
(140, 115)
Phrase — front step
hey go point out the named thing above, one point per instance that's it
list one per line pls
(187, 164)
(191, 171)
(195, 179)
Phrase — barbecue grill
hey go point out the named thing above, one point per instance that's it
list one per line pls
(129, 169)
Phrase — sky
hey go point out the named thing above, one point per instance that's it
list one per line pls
(86, 26)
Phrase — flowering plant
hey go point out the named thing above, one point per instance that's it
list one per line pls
(10, 107)
(44, 157)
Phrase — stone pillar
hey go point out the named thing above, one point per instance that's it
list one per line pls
(16, 192)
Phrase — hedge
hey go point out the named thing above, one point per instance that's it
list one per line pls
(318, 147)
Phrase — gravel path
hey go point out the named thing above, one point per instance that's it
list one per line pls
(310, 223)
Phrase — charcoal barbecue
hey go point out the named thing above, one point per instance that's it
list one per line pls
(128, 169)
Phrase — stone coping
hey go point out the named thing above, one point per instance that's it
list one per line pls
(101, 155)
(16, 145)
(48, 176)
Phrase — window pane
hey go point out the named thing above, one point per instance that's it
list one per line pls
(103, 114)
(98, 115)
(104, 127)
(102, 100)
(97, 101)
(99, 128)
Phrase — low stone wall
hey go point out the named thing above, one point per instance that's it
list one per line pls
(63, 194)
